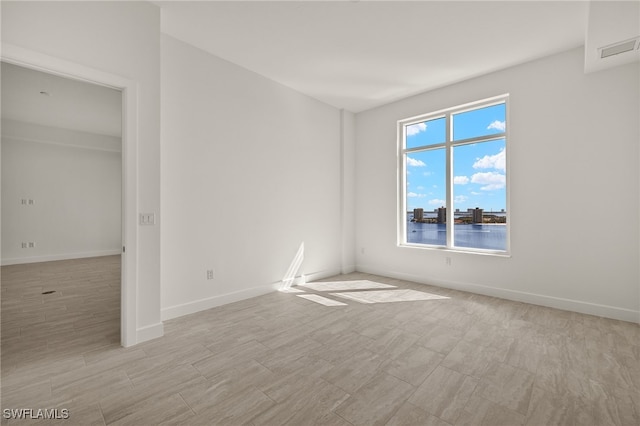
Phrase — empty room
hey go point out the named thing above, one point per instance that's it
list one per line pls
(331, 212)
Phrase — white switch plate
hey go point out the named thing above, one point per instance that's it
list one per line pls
(147, 219)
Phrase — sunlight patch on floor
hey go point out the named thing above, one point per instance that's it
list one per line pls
(345, 285)
(388, 296)
(321, 300)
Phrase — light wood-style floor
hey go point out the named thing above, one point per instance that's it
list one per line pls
(281, 359)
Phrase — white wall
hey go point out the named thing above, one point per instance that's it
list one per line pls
(348, 179)
(123, 39)
(74, 180)
(250, 170)
(574, 182)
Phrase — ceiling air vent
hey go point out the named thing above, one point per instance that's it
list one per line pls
(620, 47)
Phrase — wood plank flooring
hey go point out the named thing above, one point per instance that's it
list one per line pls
(279, 359)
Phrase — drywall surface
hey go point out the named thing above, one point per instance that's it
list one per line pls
(348, 180)
(573, 165)
(250, 172)
(123, 39)
(59, 193)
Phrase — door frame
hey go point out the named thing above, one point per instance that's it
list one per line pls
(129, 88)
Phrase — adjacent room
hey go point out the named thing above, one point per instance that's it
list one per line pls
(61, 212)
(349, 213)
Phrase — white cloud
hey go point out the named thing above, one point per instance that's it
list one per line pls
(436, 202)
(420, 188)
(415, 163)
(491, 180)
(460, 180)
(415, 195)
(460, 199)
(497, 161)
(414, 129)
(498, 125)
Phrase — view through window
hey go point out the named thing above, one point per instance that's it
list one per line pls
(454, 178)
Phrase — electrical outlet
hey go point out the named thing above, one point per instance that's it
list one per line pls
(362, 250)
(24, 245)
(447, 261)
(32, 244)
(147, 219)
(209, 274)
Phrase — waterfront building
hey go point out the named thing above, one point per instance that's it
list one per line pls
(476, 215)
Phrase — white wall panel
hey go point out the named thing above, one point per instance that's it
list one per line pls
(250, 171)
(573, 153)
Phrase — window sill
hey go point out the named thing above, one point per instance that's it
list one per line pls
(466, 250)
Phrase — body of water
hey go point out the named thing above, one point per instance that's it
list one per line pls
(488, 237)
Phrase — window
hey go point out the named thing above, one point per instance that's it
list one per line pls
(453, 185)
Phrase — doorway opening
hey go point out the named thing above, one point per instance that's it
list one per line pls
(61, 213)
(127, 91)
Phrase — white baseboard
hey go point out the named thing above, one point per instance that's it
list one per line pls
(64, 256)
(149, 332)
(211, 302)
(320, 275)
(606, 311)
(236, 296)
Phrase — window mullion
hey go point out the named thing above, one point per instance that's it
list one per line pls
(425, 148)
(480, 139)
(449, 181)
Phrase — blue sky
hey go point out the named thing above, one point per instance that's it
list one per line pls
(479, 168)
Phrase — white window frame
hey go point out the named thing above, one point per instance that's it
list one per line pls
(449, 145)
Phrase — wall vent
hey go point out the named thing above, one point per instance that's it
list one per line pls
(620, 47)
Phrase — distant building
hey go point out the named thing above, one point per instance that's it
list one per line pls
(442, 215)
(476, 215)
(418, 214)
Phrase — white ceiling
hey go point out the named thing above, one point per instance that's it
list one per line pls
(359, 55)
(352, 55)
(67, 104)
